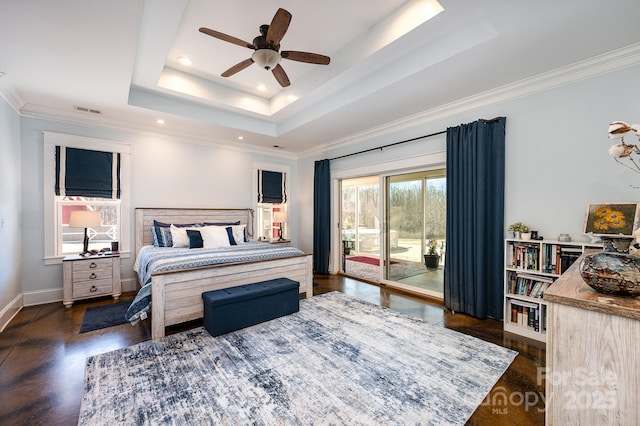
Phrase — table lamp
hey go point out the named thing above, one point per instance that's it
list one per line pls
(84, 219)
(281, 218)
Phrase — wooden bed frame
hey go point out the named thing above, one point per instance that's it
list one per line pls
(177, 295)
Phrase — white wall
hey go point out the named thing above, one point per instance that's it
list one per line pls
(10, 197)
(164, 173)
(556, 152)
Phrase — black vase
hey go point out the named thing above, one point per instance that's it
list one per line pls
(431, 261)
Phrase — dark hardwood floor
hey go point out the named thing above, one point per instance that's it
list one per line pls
(42, 357)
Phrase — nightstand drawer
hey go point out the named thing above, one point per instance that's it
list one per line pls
(92, 264)
(92, 288)
(92, 274)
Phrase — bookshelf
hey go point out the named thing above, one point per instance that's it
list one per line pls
(531, 267)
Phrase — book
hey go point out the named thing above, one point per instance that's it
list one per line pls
(526, 315)
(529, 285)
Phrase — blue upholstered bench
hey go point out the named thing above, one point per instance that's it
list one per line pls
(234, 308)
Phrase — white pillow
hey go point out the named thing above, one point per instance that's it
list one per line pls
(214, 237)
(238, 233)
(179, 236)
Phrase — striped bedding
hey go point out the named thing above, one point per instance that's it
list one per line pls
(160, 259)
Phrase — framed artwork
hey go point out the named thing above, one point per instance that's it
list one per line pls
(612, 219)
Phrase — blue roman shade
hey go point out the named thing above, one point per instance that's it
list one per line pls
(272, 187)
(86, 173)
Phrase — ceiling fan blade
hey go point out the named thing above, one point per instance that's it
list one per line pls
(281, 76)
(278, 27)
(226, 37)
(237, 68)
(310, 58)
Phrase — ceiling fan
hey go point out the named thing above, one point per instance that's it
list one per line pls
(267, 49)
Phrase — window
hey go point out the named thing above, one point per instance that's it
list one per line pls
(70, 240)
(60, 239)
(269, 227)
(271, 184)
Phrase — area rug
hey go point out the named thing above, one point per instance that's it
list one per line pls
(337, 361)
(103, 316)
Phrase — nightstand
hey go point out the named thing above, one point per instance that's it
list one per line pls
(91, 276)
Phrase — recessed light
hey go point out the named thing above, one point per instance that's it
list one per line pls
(160, 121)
(185, 61)
(262, 87)
(240, 137)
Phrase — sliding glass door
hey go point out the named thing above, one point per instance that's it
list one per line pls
(415, 212)
(360, 223)
(393, 250)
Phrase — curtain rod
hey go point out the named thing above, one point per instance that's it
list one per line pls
(491, 120)
(387, 146)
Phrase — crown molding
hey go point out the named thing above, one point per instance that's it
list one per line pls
(612, 61)
(101, 122)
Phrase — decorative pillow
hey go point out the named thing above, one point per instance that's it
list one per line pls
(232, 240)
(215, 237)
(179, 236)
(239, 233)
(195, 239)
(161, 237)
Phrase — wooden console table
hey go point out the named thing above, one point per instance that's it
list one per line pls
(593, 355)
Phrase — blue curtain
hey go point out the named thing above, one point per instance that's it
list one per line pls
(474, 259)
(87, 173)
(321, 217)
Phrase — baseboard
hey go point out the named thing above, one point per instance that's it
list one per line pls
(52, 295)
(11, 310)
(129, 284)
(40, 297)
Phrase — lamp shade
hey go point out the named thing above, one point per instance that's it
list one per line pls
(84, 219)
(266, 58)
(280, 217)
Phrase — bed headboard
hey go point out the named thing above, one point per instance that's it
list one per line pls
(146, 216)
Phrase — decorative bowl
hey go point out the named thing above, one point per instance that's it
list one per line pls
(612, 273)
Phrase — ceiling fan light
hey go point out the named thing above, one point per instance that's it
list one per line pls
(266, 58)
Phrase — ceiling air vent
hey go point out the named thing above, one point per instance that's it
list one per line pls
(88, 110)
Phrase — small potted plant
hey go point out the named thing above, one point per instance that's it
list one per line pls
(520, 230)
(432, 257)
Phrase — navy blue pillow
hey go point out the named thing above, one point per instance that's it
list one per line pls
(195, 239)
(232, 240)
